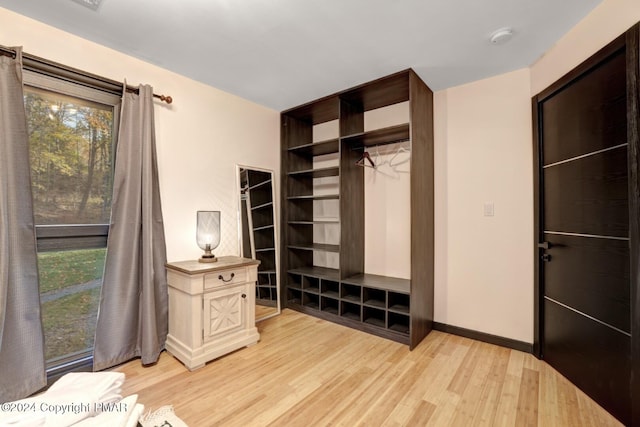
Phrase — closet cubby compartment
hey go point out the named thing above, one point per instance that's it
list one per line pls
(311, 284)
(399, 303)
(330, 289)
(329, 305)
(351, 293)
(374, 298)
(311, 300)
(374, 316)
(399, 322)
(294, 281)
(294, 296)
(321, 178)
(350, 311)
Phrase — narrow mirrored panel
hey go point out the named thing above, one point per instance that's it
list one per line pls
(257, 234)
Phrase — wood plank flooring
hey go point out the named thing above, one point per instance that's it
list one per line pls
(309, 372)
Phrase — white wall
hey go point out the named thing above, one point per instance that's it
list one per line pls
(483, 154)
(606, 22)
(200, 137)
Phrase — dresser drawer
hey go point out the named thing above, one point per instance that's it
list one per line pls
(225, 277)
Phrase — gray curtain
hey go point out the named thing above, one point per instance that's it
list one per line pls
(22, 364)
(133, 315)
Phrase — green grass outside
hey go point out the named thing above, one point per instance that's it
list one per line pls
(69, 322)
(65, 268)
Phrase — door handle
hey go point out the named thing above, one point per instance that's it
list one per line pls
(544, 245)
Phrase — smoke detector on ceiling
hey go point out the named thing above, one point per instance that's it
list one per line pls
(91, 4)
(501, 36)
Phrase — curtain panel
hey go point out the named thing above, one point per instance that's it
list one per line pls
(133, 314)
(22, 363)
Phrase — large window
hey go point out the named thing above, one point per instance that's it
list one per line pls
(72, 132)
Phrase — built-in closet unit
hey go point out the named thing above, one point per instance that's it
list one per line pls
(396, 308)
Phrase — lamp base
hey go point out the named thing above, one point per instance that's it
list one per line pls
(208, 258)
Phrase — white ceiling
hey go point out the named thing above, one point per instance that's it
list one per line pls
(282, 53)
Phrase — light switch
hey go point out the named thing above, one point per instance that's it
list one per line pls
(488, 209)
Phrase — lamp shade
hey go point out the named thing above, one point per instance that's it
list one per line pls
(208, 233)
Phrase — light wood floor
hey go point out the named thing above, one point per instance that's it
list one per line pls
(308, 372)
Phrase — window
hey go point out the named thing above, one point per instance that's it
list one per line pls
(72, 131)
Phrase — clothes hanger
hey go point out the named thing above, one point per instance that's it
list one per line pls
(393, 162)
(362, 161)
(396, 161)
(378, 161)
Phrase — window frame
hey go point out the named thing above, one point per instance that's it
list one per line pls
(54, 237)
(74, 236)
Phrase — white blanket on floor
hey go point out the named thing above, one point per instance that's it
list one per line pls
(73, 398)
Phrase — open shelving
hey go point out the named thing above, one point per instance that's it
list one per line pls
(396, 308)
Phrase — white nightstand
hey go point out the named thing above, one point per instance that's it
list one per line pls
(211, 308)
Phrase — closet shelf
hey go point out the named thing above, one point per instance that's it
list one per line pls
(316, 173)
(318, 148)
(316, 247)
(399, 308)
(331, 294)
(374, 303)
(388, 135)
(315, 197)
(394, 284)
(317, 272)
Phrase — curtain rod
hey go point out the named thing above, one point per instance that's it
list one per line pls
(54, 69)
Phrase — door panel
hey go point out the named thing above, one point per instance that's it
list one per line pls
(588, 115)
(583, 195)
(588, 195)
(598, 271)
(592, 356)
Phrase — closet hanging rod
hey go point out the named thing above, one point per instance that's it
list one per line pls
(44, 66)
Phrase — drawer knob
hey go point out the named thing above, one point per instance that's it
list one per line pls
(220, 277)
(244, 295)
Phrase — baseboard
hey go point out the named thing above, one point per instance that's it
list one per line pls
(484, 337)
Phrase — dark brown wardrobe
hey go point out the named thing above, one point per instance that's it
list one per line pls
(587, 194)
(397, 308)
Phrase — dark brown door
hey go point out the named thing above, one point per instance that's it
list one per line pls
(585, 316)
